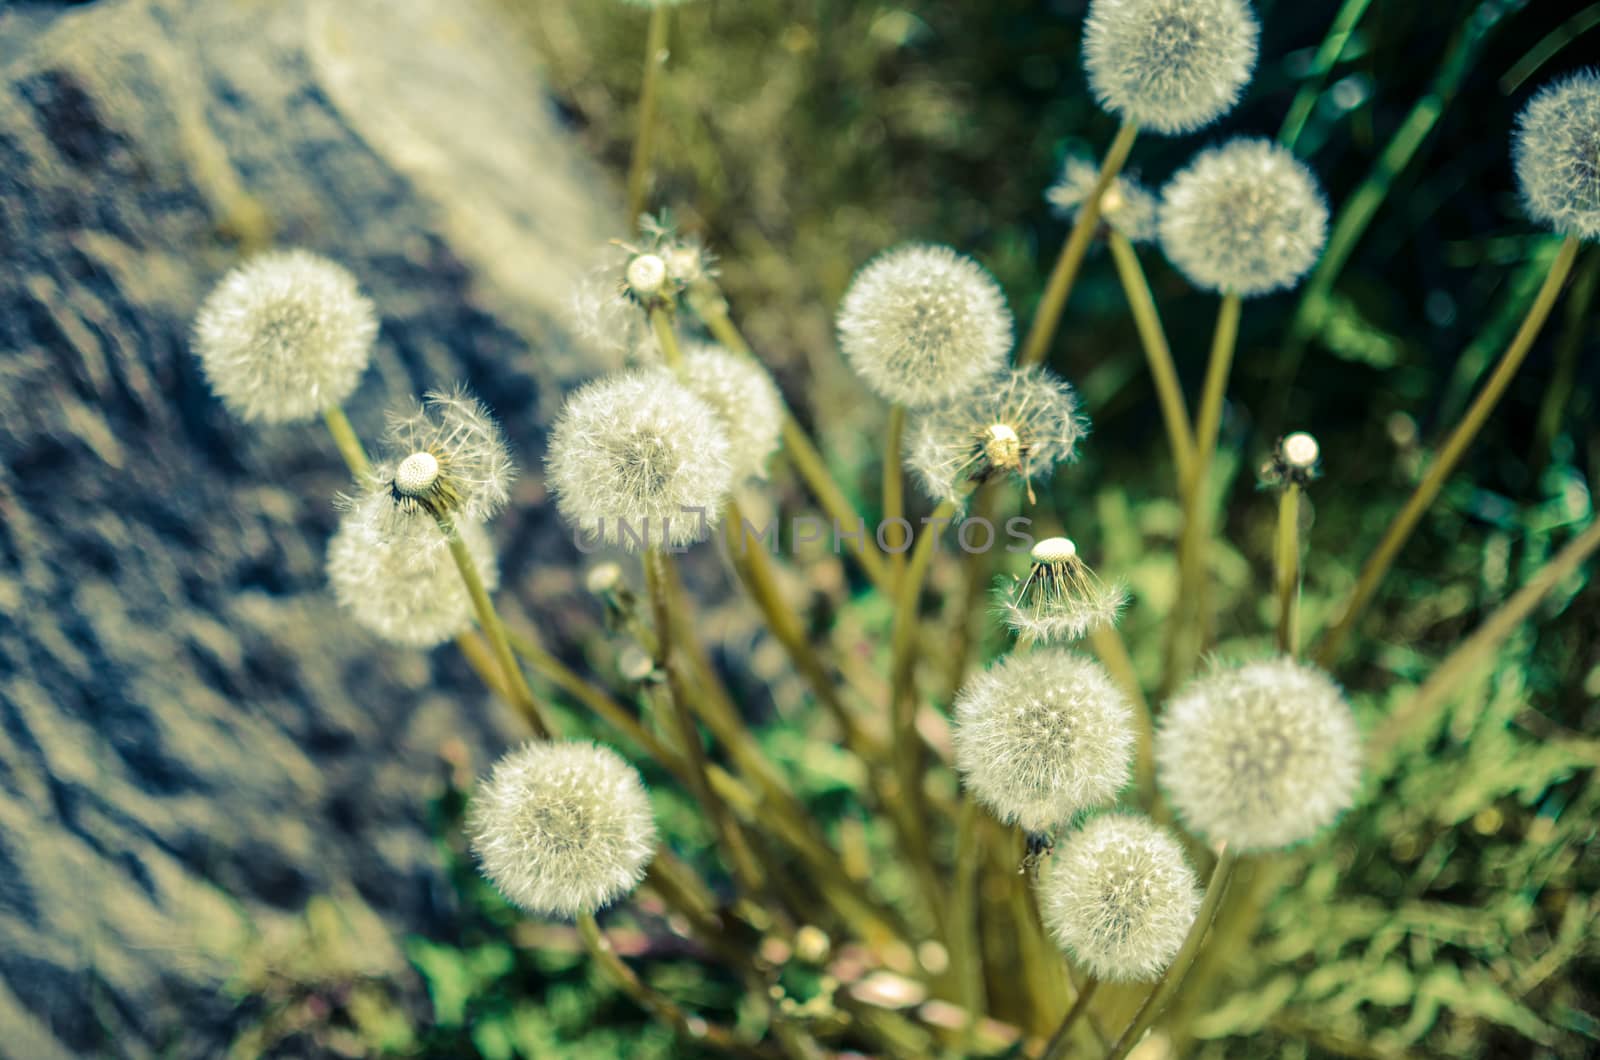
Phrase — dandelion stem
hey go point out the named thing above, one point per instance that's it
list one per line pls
(597, 700)
(1169, 393)
(1474, 652)
(655, 58)
(1112, 651)
(345, 437)
(894, 489)
(1333, 45)
(661, 324)
(1286, 569)
(516, 684)
(1059, 287)
(1042, 972)
(1176, 972)
(1056, 1048)
(1450, 454)
(966, 952)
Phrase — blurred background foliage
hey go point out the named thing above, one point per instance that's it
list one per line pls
(1450, 915)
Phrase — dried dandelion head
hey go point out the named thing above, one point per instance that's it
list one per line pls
(404, 588)
(640, 461)
(1060, 598)
(1259, 756)
(562, 829)
(1171, 66)
(1119, 897)
(1246, 217)
(1022, 422)
(745, 399)
(284, 336)
(922, 324)
(1297, 459)
(1556, 152)
(1127, 206)
(1041, 736)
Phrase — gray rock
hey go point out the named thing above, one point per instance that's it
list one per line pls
(193, 742)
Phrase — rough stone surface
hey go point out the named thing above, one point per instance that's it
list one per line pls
(193, 743)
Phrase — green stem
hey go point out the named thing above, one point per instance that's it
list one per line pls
(655, 58)
(894, 488)
(1333, 45)
(1173, 978)
(1112, 652)
(1056, 1048)
(1286, 569)
(345, 437)
(1169, 393)
(1450, 454)
(516, 684)
(661, 324)
(1059, 287)
(966, 956)
(596, 699)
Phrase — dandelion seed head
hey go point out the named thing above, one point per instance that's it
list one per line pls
(1556, 153)
(562, 829)
(1169, 65)
(417, 474)
(646, 276)
(1040, 736)
(1259, 756)
(1060, 598)
(1119, 897)
(922, 324)
(745, 399)
(1021, 422)
(405, 588)
(635, 456)
(603, 578)
(1301, 450)
(1127, 206)
(284, 336)
(1246, 217)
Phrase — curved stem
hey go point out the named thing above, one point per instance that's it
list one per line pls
(345, 437)
(661, 324)
(1169, 393)
(1056, 1048)
(1286, 570)
(1176, 972)
(1059, 287)
(655, 58)
(1450, 454)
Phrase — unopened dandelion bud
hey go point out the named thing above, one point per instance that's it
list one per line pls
(639, 460)
(1556, 151)
(603, 578)
(284, 336)
(1169, 66)
(746, 402)
(1021, 422)
(1119, 897)
(1060, 599)
(1301, 451)
(1039, 737)
(1244, 218)
(635, 664)
(1127, 206)
(922, 324)
(562, 829)
(404, 588)
(1259, 756)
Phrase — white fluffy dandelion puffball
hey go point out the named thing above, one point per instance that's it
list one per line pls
(922, 324)
(639, 461)
(1127, 206)
(1557, 155)
(1040, 736)
(284, 336)
(1246, 217)
(1170, 66)
(1119, 897)
(1022, 422)
(562, 829)
(1259, 756)
(746, 401)
(402, 589)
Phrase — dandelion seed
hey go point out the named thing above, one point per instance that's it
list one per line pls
(1119, 897)
(1021, 422)
(1060, 598)
(1169, 65)
(405, 589)
(1556, 151)
(746, 401)
(923, 324)
(1041, 736)
(1246, 217)
(562, 829)
(638, 460)
(284, 336)
(1126, 206)
(1260, 756)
